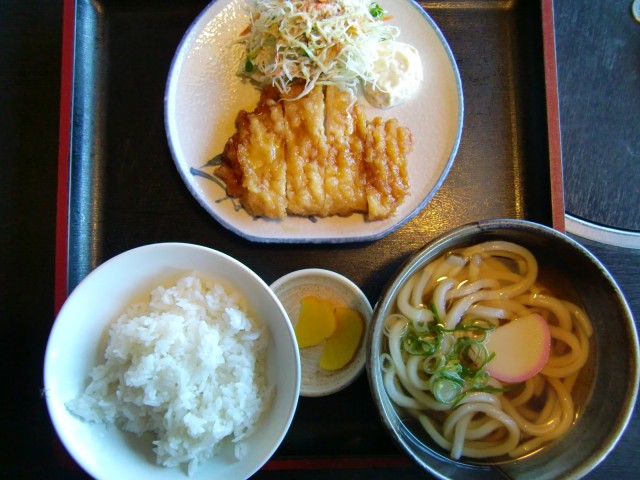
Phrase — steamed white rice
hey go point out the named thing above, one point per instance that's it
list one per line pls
(189, 366)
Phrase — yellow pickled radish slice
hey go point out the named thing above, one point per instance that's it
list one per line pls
(341, 347)
(317, 321)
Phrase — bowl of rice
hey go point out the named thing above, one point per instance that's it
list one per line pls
(171, 361)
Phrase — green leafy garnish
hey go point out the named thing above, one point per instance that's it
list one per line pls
(426, 343)
(248, 66)
(459, 371)
(376, 11)
(447, 390)
(436, 317)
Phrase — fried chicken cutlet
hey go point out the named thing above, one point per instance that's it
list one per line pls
(254, 158)
(306, 150)
(315, 156)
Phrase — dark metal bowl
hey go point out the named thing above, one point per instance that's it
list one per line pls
(607, 385)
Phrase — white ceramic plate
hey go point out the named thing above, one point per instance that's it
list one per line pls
(78, 340)
(204, 96)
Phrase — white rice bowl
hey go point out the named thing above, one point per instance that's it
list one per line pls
(215, 383)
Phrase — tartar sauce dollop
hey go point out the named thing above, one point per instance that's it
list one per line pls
(398, 72)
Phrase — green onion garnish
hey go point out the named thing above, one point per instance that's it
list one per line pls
(459, 371)
(376, 11)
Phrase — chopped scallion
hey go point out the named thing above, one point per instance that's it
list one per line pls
(457, 370)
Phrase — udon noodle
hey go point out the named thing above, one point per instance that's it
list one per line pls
(434, 367)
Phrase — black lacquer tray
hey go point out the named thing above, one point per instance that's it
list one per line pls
(119, 187)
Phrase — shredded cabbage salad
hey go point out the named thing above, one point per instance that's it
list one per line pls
(324, 42)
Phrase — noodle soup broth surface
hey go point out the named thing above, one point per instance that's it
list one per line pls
(469, 292)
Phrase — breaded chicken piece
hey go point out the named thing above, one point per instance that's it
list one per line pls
(316, 156)
(253, 159)
(306, 154)
(386, 146)
(344, 179)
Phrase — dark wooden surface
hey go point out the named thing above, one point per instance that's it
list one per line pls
(598, 52)
(29, 105)
(30, 34)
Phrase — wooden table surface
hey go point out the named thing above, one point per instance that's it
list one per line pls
(598, 49)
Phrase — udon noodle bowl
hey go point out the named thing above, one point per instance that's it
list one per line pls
(436, 364)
